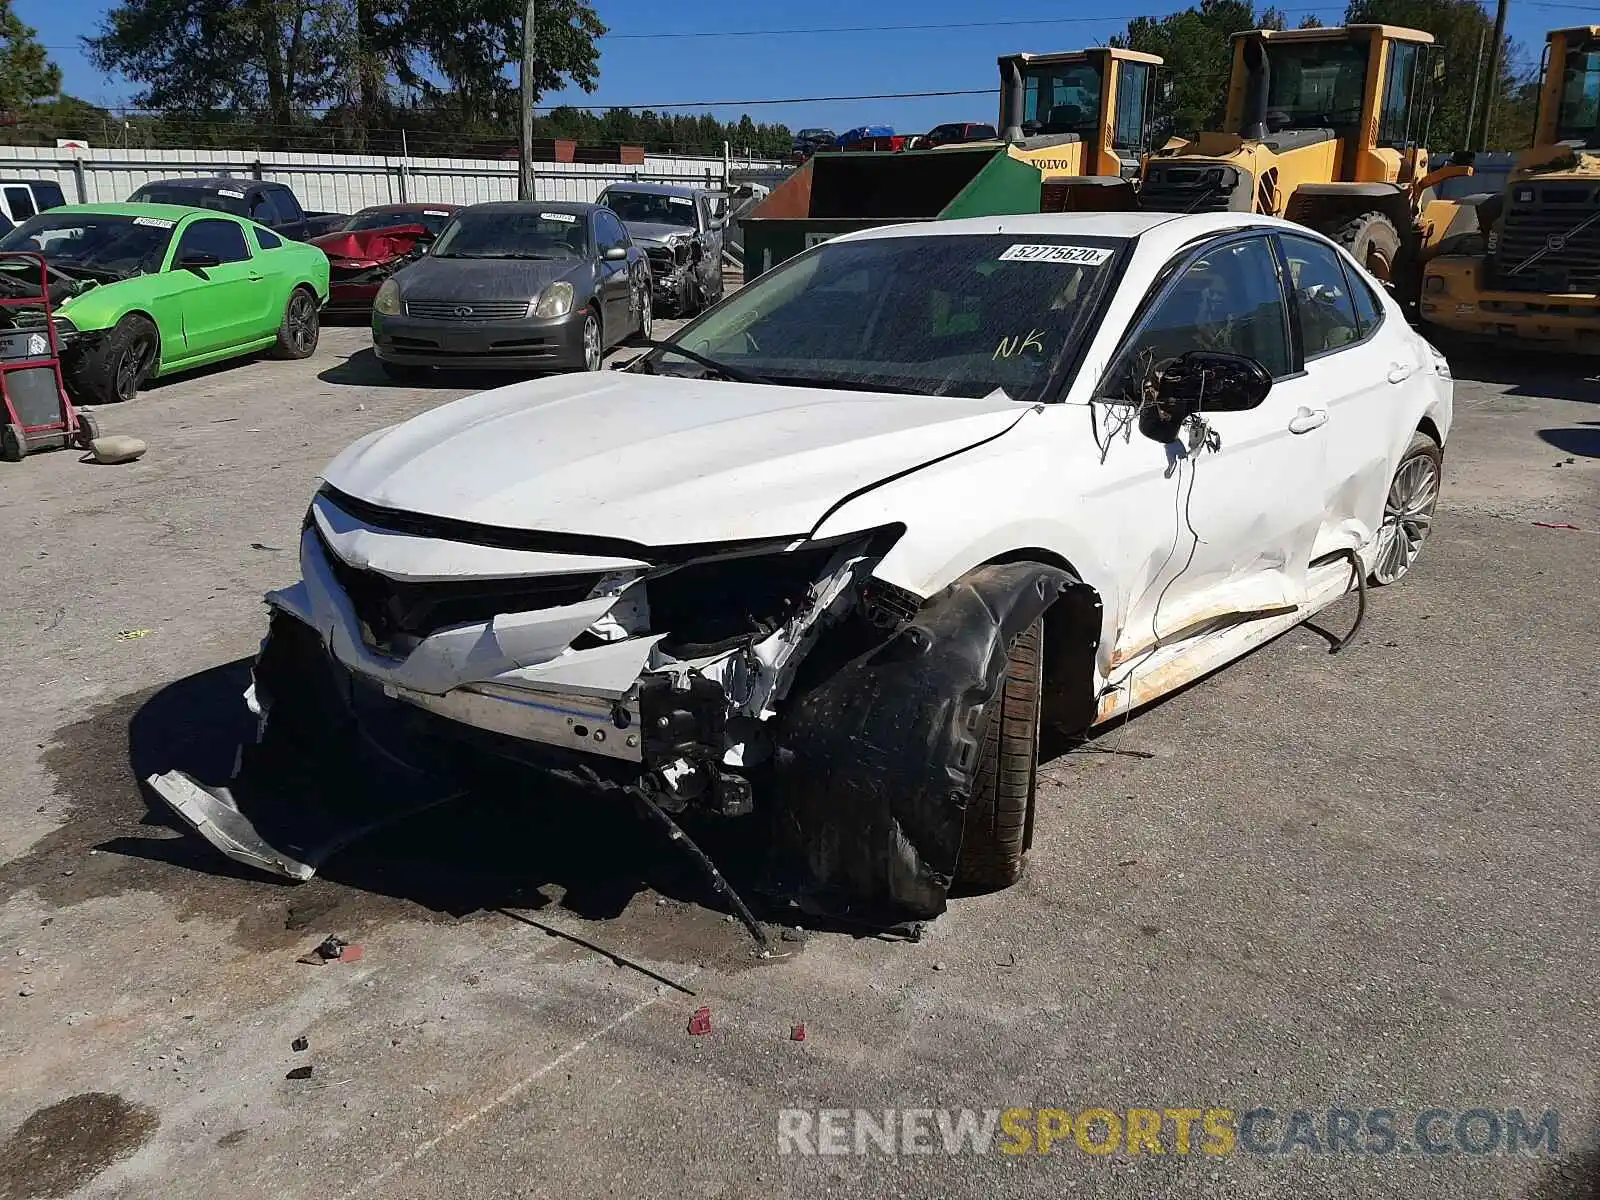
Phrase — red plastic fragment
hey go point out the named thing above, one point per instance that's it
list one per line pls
(797, 1032)
(1555, 525)
(701, 1021)
(352, 953)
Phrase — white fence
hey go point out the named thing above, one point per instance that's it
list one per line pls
(347, 182)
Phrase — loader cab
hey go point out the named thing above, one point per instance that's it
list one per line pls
(1297, 88)
(1085, 112)
(1569, 100)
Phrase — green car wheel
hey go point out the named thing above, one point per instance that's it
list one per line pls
(119, 367)
(298, 335)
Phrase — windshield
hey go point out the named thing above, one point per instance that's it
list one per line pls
(1062, 98)
(94, 243)
(651, 208)
(1315, 84)
(228, 200)
(941, 316)
(432, 219)
(1579, 115)
(496, 233)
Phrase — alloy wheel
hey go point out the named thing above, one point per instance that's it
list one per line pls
(1407, 517)
(591, 343)
(132, 368)
(647, 315)
(302, 323)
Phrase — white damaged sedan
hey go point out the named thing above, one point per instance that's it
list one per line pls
(832, 558)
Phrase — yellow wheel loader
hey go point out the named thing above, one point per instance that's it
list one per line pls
(1527, 264)
(1327, 127)
(1082, 118)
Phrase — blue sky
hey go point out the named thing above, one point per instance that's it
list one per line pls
(643, 70)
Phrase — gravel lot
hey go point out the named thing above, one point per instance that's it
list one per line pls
(1365, 881)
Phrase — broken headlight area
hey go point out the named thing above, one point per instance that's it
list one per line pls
(665, 675)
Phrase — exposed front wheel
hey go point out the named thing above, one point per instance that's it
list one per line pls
(1408, 510)
(119, 367)
(996, 824)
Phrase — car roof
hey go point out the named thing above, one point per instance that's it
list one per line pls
(208, 183)
(413, 206)
(1174, 229)
(513, 206)
(166, 212)
(654, 189)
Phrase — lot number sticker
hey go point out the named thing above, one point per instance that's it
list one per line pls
(1091, 256)
(564, 218)
(154, 222)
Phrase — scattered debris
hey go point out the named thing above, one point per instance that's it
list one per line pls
(939, 966)
(1556, 525)
(300, 1044)
(1127, 862)
(793, 935)
(116, 448)
(700, 1023)
(264, 546)
(616, 958)
(300, 1072)
(25, 990)
(797, 1032)
(332, 949)
(133, 635)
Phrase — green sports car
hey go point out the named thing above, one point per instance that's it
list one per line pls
(141, 290)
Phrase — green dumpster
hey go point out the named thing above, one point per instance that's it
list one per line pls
(836, 193)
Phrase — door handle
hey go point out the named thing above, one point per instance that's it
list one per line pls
(253, 278)
(1308, 419)
(1400, 372)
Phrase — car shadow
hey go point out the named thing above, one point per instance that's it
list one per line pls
(513, 834)
(1583, 441)
(1535, 372)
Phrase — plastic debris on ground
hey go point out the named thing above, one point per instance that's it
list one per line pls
(700, 1023)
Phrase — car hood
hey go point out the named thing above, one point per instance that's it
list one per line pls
(657, 461)
(652, 231)
(469, 279)
(371, 245)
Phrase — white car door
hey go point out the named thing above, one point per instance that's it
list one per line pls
(1359, 362)
(1247, 506)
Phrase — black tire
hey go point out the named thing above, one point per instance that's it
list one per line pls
(1374, 242)
(690, 304)
(88, 429)
(300, 329)
(13, 444)
(1408, 510)
(996, 825)
(122, 364)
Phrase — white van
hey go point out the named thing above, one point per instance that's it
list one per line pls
(22, 198)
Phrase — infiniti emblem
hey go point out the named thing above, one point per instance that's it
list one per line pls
(463, 311)
(1555, 242)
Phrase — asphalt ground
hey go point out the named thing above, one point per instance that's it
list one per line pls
(1356, 883)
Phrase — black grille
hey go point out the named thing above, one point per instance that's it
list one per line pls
(661, 262)
(464, 310)
(388, 607)
(1549, 240)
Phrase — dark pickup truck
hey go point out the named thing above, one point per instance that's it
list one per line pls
(269, 204)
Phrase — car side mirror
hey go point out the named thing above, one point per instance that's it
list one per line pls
(1201, 381)
(614, 253)
(197, 261)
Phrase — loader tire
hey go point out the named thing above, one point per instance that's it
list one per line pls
(1373, 241)
(996, 825)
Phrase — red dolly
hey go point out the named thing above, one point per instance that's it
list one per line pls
(39, 415)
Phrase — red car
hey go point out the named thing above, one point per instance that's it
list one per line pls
(373, 245)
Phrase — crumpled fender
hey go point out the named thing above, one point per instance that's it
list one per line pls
(876, 763)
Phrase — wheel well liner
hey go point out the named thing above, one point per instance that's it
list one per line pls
(1427, 426)
(876, 762)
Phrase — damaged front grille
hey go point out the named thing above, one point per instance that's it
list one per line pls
(389, 608)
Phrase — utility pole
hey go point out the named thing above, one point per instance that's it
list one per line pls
(1493, 83)
(1471, 131)
(530, 25)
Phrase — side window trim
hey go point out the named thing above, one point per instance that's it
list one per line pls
(1353, 281)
